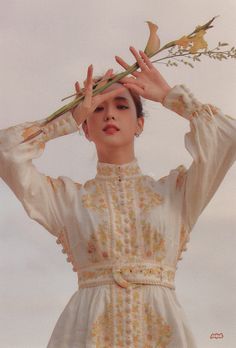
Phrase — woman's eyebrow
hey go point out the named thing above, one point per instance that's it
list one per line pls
(121, 98)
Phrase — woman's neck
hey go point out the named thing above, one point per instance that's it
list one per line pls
(116, 156)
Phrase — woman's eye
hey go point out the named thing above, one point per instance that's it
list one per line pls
(122, 107)
(99, 108)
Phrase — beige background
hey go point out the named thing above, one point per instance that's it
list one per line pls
(45, 47)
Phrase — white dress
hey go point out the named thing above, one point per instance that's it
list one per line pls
(123, 231)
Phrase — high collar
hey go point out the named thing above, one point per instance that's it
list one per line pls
(120, 171)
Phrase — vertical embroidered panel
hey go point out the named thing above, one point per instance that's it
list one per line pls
(129, 322)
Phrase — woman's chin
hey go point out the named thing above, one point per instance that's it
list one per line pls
(111, 141)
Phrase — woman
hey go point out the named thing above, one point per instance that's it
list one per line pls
(123, 232)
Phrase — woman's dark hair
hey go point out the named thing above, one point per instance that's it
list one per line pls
(135, 96)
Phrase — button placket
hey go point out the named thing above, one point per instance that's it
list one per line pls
(129, 318)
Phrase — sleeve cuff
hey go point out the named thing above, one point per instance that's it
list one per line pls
(64, 125)
(181, 100)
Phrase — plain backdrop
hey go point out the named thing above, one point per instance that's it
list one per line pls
(45, 47)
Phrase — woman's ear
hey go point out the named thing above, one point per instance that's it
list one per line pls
(85, 129)
(140, 122)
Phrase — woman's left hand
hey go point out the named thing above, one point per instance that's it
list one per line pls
(148, 82)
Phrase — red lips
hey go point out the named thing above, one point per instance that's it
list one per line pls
(109, 125)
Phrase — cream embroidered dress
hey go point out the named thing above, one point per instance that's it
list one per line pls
(123, 231)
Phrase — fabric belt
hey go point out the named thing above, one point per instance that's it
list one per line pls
(126, 275)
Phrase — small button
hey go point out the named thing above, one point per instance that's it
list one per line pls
(126, 250)
(126, 220)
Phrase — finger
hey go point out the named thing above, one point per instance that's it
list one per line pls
(104, 79)
(135, 88)
(138, 58)
(77, 87)
(127, 79)
(146, 59)
(88, 87)
(132, 81)
(125, 65)
(89, 75)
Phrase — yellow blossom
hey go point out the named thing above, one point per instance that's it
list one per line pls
(184, 41)
(198, 42)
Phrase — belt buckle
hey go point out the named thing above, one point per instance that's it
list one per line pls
(118, 277)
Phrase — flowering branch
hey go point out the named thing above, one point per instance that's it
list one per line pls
(219, 55)
(188, 46)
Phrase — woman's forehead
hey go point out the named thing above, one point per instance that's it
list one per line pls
(125, 93)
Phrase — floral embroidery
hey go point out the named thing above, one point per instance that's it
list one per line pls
(97, 246)
(147, 197)
(157, 331)
(154, 243)
(29, 131)
(119, 233)
(54, 183)
(183, 240)
(96, 199)
(125, 170)
(181, 176)
(41, 145)
(127, 321)
(101, 330)
(178, 105)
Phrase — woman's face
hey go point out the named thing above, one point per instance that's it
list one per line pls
(120, 111)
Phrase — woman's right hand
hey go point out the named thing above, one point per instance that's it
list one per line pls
(90, 102)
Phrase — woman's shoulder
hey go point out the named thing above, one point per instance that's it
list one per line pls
(174, 178)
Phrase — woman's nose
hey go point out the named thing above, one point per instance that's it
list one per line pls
(108, 117)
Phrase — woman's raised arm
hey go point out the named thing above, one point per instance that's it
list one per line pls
(44, 198)
(212, 145)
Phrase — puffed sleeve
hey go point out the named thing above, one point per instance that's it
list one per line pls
(45, 199)
(211, 143)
